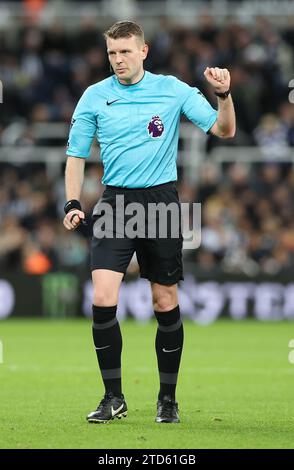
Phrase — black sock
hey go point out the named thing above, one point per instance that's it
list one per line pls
(169, 338)
(108, 344)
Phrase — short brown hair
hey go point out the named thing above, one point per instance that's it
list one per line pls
(124, 29)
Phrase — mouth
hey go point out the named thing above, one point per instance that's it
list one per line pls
(121, 70)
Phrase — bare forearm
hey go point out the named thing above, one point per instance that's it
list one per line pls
(74, 177)
(225, 125)
(226, 119)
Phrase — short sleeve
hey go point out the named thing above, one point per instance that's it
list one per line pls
(195, 106)
(83, 128)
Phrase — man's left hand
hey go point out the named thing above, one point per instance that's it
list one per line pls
(219, 78)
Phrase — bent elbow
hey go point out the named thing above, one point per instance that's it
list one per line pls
(229, 134)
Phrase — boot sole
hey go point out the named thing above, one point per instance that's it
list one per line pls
(106, 421)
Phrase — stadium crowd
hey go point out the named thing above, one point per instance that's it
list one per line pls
(45, 71)
(247, 223)
(247, 220)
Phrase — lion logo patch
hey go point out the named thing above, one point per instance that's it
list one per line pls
(155, 127)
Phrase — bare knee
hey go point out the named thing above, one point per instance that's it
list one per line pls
(165, 298)
(104, 298)
(106, 286)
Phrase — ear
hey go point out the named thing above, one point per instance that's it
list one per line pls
(145, 50)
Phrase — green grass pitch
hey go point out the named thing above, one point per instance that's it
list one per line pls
(235, 387)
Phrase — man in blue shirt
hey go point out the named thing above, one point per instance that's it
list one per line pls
(135, 116)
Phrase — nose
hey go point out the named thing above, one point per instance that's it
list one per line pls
(118, 59)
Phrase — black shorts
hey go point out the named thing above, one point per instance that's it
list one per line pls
(159, 254)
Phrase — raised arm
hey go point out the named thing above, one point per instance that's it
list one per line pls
(225, 125)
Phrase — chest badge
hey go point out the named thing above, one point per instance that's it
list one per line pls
(155, 127)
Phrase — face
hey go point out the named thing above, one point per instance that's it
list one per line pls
(126, 56)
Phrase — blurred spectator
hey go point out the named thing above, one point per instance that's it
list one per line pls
(34, 260)
(272, 137)
(11, 241)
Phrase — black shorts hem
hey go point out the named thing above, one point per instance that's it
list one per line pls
(107, 268)
(164, 282)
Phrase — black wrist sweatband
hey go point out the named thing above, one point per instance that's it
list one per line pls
(223, 95)
(72, 204)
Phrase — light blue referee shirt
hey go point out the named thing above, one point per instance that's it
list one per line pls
(137, 127)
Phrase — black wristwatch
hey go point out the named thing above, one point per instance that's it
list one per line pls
(223, 95)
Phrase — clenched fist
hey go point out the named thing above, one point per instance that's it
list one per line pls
(219, 78)
(73, 219)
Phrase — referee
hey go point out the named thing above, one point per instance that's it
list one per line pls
(135, 116)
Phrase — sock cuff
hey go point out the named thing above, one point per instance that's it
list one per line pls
(103, 314)
(168, 318)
